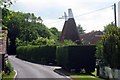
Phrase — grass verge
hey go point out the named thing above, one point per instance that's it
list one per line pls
(85, 77)
(0, 75)
(10, 77)
(78, 76)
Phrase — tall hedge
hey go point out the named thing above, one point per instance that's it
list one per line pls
(38, 54)
(62, 57)
(76, 57)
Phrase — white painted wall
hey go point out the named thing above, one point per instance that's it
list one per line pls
(107, 72)
(70, 14)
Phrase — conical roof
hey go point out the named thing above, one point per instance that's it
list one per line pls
(70, 31)
(63, 32)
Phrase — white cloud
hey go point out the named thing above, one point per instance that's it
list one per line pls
(54, 23)
(94, 21)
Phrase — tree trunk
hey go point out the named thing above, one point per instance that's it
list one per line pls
(12, 47)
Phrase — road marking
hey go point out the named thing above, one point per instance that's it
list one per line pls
(15, 74)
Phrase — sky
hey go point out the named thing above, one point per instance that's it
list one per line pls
(84, 12)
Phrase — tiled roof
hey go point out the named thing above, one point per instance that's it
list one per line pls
(70, 32)
(91, 38)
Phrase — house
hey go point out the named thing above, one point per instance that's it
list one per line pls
(91, 37)
(3, 38)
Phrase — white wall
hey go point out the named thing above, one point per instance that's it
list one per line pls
(107, 72)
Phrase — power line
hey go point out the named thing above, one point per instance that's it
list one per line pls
(54, 22)
(94, 11)
(86, 13)
(116, 2)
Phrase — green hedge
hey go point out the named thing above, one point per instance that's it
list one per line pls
(62, 56)
(37, 54)
(76, 57)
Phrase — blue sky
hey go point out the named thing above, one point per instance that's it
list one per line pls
(51, 10)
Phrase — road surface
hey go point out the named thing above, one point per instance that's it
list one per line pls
(31, 70)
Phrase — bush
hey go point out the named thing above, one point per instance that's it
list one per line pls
(62, 57)
(76, 57)
(109, 52)
(38, 54)
(8, 68)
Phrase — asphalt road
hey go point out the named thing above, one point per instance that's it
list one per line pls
(31, 70)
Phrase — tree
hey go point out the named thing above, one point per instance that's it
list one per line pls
(80, 29)
(55, 33)
(108, 27)
(13, 22)
(6, 3)
(42, 41)
(109, 49)
(26, 27)
(69, 43)
(40, 19)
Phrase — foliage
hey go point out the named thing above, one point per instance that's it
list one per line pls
(21, 43)
(62, 57)
(1, 75)
(42, 41)
(76, 57)
(8, 68)
(111, 47)
(69, 42)
(13, 22)
(80, 29)
(108, 27)
(55, 33)
(85, 77)
(38, 54)
(99, 54)
(108, 49)
(5, 3)
(26, 27)
(33, 31)
(9, 77)
(39, 41)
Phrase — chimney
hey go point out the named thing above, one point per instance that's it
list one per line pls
(70, 14)
(66, 17)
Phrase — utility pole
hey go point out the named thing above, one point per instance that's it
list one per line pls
(115, 14)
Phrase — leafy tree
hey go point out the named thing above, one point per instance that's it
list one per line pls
(42, 41)
(13, 22)
(26, 27)
(55, 33)
(69, 42)
(109, 49)
(5, 3)
(80, 29)
(99, 54)
(39, 19)
(108, 27)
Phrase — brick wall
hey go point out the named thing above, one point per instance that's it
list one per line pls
(3, 39)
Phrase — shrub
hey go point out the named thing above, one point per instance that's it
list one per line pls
(8, 68)
(76, 57)
(111, 48)
(38, 54)
(62, 57)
